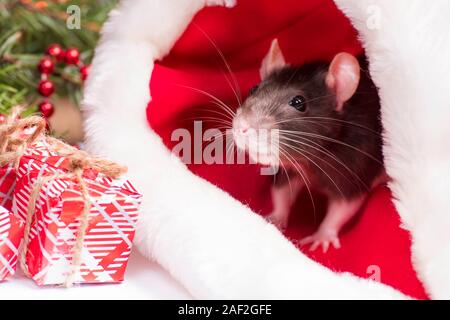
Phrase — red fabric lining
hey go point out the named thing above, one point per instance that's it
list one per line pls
(307, 30)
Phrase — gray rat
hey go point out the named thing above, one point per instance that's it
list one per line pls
(327, 119)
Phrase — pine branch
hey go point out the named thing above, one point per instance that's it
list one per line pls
(27, 28)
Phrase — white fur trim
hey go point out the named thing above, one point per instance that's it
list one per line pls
(409, 54)
(214, 245)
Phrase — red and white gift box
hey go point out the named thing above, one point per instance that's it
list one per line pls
(11, 231)
(112, 220)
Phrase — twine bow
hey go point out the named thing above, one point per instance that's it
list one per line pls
(14, 140)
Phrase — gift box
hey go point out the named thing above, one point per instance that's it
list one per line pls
(56, 219)
(15, 134)
(11, 230)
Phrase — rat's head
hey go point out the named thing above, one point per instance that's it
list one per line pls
(295, 104)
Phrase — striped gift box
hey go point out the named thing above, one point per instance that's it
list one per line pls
(112, 221)
(11, 230)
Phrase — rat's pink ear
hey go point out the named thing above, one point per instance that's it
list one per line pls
(273, 60)
(343, 77)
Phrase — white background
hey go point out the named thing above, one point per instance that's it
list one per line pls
(143, 280)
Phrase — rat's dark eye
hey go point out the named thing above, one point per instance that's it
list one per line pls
(253, 90)
(299, 103)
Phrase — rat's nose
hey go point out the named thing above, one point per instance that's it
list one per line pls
(244, 130)
(244, 126)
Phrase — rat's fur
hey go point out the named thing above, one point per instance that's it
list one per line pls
(330, 141)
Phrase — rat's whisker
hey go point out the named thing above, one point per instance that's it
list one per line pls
(326, 162)
(215, 137)
(226, 109)
(279, 162)
(221, 134)
(211, 120)
(216, 99)
(285, 171)
(291, 142)
(302, 153)
(314, 119)
(225, 114)
(344, 122)
(235, 88)
(324, 151)
(322, 125)
(302, 174)
(322, 137)
(235, 91)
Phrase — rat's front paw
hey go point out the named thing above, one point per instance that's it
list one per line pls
(277, 221)
(322, 238)
(223, 3)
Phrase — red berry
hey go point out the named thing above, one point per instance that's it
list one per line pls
(46, 108)
(46, 65)
(46, 88)
(2, 118)
(84, 71)
(72, 56)
(56, 51)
